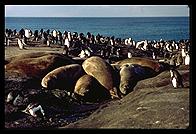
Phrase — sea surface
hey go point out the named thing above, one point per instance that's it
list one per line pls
(138, 28)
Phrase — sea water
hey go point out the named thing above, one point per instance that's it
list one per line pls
(138, 28)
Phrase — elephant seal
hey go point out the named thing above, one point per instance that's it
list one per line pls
(130, 74)
(87, 88)
(156, 66)
(128, 79)
(30, 55)
(63, 77)
(36, 67)
(104, 73)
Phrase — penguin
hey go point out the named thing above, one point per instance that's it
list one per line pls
(18, 100)
(10, 96)
(176, 78)
(172, 61)
(21, 44)
(14, 97)
(118, 52)
(82, 54)
(34, 109)
(187, 59)
(154, 56)
(129, 55)
(179, 59)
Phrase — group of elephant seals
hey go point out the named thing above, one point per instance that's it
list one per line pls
(87, 88)
(119, 78)
(134, 69)
(36, 65)
(101, 80)
(104, 73)
(63, 77)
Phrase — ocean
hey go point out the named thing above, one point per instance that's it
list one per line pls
(138, 28)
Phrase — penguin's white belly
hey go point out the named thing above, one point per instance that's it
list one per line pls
(20, 44)
(174, 82)
(187, 60)
(9, 97)
(129, 55)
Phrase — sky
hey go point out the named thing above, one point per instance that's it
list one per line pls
(96, 10)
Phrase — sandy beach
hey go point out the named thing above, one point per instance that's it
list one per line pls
(14, 50)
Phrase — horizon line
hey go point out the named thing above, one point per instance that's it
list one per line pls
(90, 16)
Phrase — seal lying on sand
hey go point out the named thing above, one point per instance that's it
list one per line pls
(30, 55)
(130, 74)
(156, 66)
(63, 77)
(36, 67)
(128, 79)
(104, 73)
(87, 88)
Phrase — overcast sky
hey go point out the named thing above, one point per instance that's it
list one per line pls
(96, 10)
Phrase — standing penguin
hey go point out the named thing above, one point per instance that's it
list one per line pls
(20, 44)
(172, 61)
(179, 59)
(183, 53)
(15, 97)
(129, 55)
(154, 55)
(187, 59)
(176, 78)
(11, 96)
